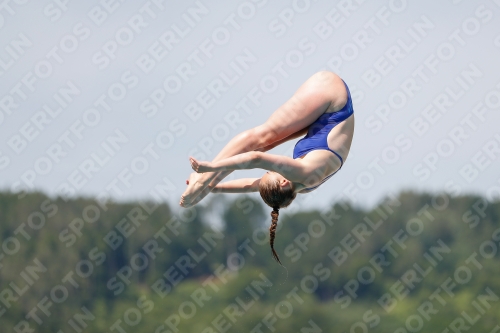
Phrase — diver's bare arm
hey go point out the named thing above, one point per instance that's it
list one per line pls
(234, 186)
(217, 176)
(290, 168)
(248, 160)
(243, 185)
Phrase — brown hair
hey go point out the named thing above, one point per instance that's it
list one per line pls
(275, 197)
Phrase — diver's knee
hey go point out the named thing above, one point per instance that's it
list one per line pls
(264, 136)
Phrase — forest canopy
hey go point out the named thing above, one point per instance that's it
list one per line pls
(416, 262)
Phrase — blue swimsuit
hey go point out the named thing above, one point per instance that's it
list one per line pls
(317, 134)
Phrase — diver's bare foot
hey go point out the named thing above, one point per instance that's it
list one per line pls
(202, 195)
(187, 197)
(197, 183)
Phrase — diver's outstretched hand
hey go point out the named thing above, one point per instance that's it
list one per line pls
(200, 166)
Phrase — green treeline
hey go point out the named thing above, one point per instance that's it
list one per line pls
(414, 263)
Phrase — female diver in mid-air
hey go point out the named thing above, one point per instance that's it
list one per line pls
(322, 109)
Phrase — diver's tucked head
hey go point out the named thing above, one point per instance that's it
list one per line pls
(276, 190)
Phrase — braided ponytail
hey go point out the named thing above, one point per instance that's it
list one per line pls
(276, 197)
(272, 230)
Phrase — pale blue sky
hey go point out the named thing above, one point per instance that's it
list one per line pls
(425, 46)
